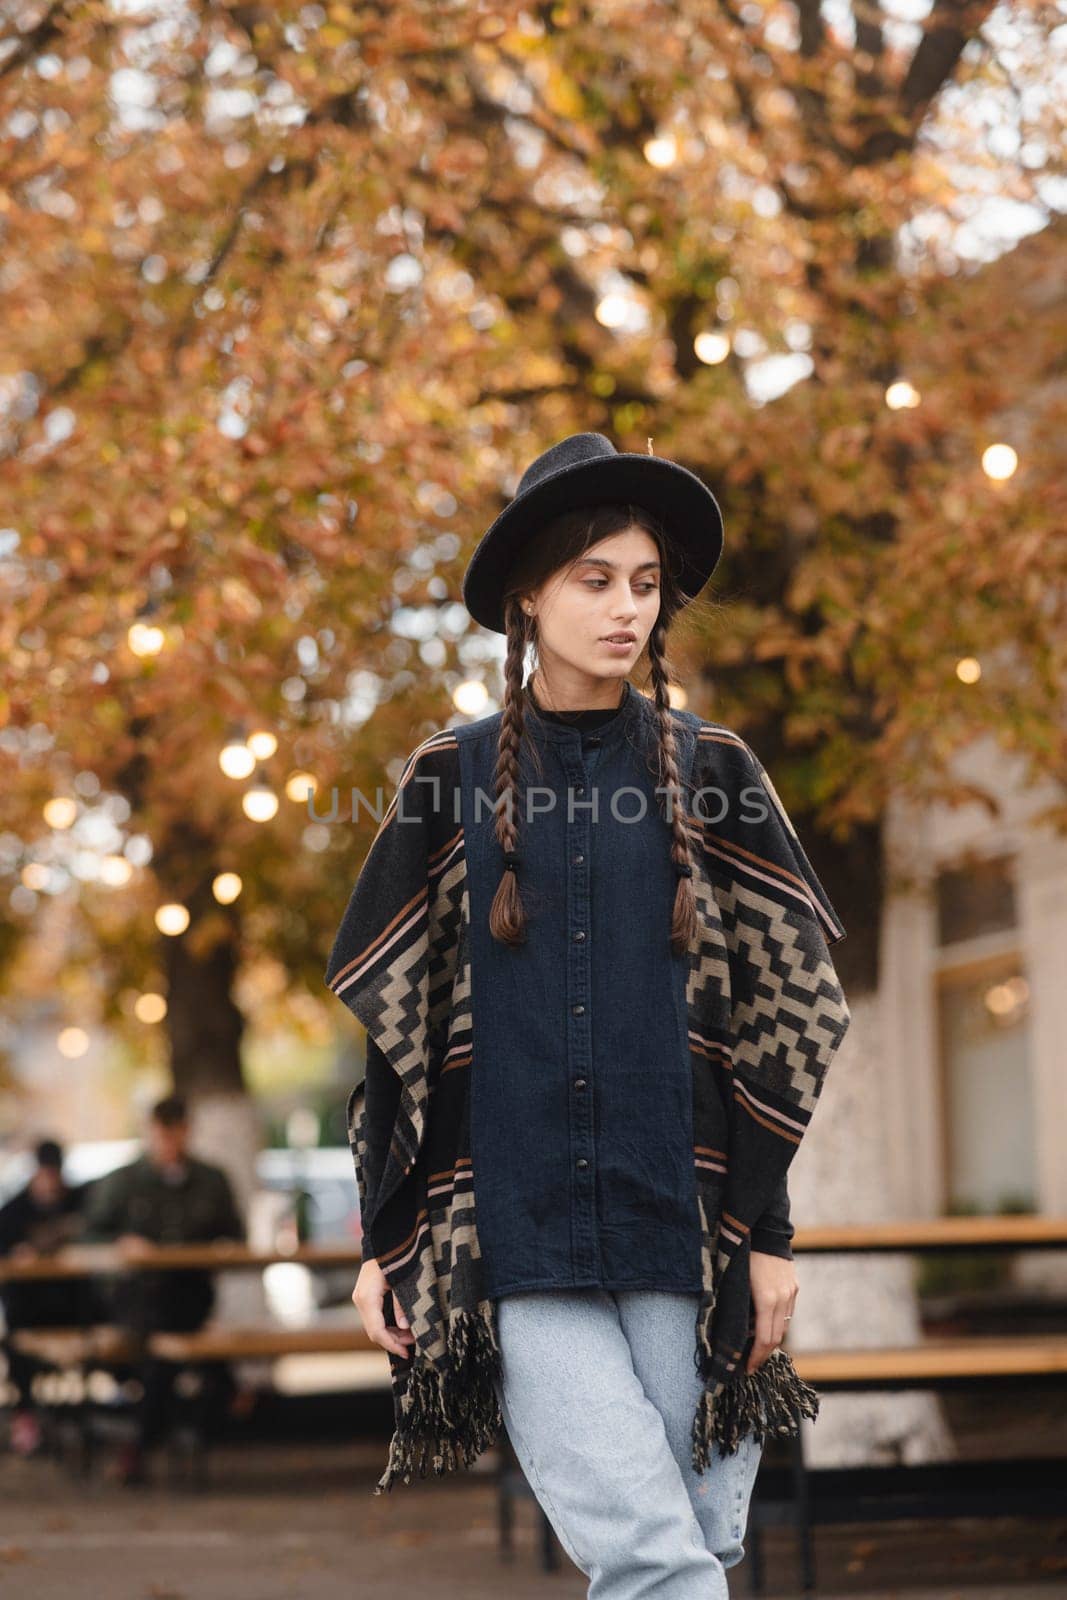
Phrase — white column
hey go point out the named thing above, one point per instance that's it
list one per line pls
(1042, 885)
(841, 1173)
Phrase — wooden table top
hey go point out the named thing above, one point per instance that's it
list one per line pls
(1019, 1356)
(221, 1342)
(921, 1234)
(78, 1260)
(1029, 1231)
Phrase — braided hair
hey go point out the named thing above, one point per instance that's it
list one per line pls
(560, 543)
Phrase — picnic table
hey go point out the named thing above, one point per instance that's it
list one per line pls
(78, 1260)
(78, 1351)
(805, 1497)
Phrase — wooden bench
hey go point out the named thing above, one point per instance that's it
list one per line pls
(225, 1342)
(65, 1348)
(64, 1407)
(805, 1497)
(234, 1342)
(74, 1425)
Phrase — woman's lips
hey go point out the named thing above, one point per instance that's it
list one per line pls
(622, 648)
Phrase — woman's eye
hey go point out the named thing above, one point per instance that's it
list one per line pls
(599, 583)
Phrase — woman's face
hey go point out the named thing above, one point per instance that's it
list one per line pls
(613, 588)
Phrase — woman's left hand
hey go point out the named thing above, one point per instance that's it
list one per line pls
(773, 1285)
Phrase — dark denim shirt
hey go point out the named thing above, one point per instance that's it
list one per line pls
(581, 1091)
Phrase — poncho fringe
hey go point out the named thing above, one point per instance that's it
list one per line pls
(441, 1428)
(443, 1424)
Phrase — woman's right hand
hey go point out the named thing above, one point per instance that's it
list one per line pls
(368, 1296)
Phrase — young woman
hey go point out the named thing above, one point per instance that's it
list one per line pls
(598, 1021)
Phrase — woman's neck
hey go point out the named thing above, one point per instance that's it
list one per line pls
(607, 696)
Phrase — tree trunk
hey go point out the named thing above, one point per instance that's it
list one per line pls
(205, 1028)
(204, 1023)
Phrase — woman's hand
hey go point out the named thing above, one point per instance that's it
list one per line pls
(773, 1285)
(371, 1288)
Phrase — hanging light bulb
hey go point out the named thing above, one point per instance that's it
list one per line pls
(172, 918)
(236, 758)
(711, 348)
(999, 462)
(661, 151)
(143, 637)
(60, 811)
(115, 871)
(262, 743)
(300, 785)
(470, 697)
(150, 1007)
(259, 802)
(902, 395)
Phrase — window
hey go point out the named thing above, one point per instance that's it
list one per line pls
(984, 1038)
(975, 898)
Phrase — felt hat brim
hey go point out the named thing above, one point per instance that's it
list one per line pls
(683, 504)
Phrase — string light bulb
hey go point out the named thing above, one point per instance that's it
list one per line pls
(145, 639)
(236, 759)
(300, 786)
(172, 918)
(259, 803)
(60, 812)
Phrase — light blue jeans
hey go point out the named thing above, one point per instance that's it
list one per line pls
(598, 1393)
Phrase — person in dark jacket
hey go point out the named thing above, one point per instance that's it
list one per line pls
(43, 1216)
(166, 1196)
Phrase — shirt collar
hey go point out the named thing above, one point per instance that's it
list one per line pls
(630, 708)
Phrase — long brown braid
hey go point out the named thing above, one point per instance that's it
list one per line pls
(684, 917)
(507, 919)
(558, 544)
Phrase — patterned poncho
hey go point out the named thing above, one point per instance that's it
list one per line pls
(766, 1016)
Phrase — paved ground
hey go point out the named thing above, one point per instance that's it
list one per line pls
(288, 1522)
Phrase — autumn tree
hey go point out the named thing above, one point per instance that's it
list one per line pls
(291, 295)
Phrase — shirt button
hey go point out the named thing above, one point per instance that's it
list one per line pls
(578, 859)
(579, 1083)
(579, 1011)
(581, 1163)
(579, 936)
(580, 789)
(595, 739)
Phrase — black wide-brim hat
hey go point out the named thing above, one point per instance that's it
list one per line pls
(585, 469)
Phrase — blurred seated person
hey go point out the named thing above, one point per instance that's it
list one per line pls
(166, 1196)
(42, 1217)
